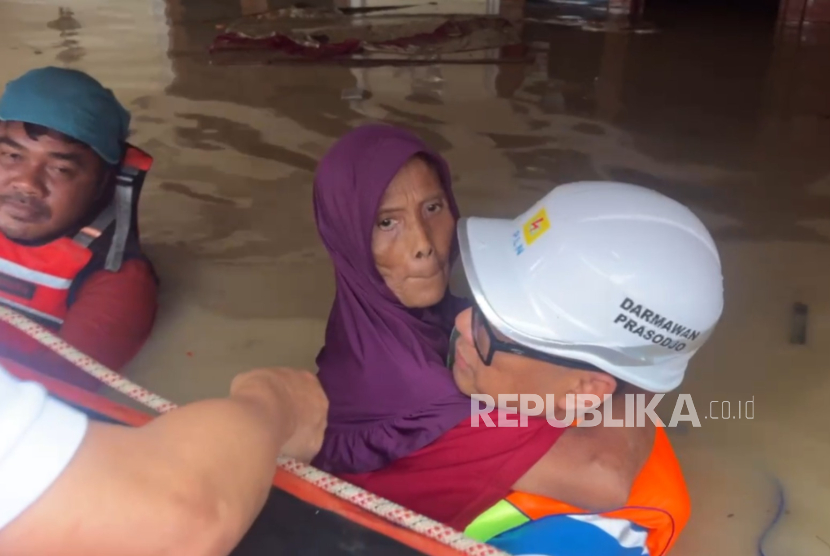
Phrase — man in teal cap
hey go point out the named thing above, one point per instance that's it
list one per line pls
(69, 251)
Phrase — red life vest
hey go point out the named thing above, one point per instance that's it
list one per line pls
(659, 503)
(39, 280)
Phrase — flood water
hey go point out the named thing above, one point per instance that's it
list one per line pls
(719, 112)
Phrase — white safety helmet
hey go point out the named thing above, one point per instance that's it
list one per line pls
(610, 274)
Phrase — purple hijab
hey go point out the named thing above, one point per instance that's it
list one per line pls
(383, 365)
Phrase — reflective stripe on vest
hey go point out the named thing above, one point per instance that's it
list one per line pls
(659, 502)
(36, 280)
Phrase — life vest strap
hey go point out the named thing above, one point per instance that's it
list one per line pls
(92, 232)
(129, 181)
(119, 211)
(123, 221)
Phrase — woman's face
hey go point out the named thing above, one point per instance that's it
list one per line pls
(413, 235)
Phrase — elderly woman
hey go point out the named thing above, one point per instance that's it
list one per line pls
(386, 214)
(398, 425)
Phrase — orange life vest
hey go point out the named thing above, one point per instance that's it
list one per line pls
(38, 280)
(659, 502)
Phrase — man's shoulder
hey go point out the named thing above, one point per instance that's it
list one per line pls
(136, 279)
(134, 273)
(135, 268)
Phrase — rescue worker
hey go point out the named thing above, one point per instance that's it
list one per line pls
(69, 249)
(599, 288)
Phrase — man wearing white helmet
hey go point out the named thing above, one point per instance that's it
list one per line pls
(599, 288)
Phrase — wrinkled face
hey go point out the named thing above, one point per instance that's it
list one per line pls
(509, 373)
(47, 183)
(413, 236)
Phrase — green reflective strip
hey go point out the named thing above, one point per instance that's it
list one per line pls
(495, 521)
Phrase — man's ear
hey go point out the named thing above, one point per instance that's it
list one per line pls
(587, 383)
(598, 384)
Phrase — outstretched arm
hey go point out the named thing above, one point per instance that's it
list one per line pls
(190, 482)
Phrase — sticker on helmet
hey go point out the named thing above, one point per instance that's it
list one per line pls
(536, 226)
(518, 247)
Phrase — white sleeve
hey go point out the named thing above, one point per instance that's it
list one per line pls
(38, 438)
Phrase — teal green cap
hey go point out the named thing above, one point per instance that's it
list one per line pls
(71, 102)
